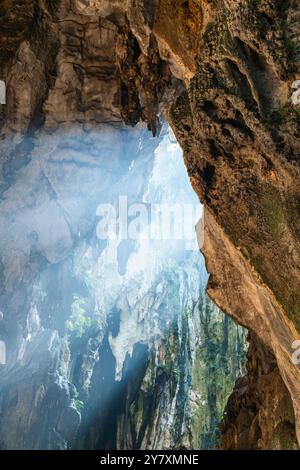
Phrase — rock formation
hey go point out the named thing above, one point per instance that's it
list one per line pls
(225, 74)
(108, 343)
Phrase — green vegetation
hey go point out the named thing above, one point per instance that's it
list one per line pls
(297, 114)
(220, 360)
(79, 321)
(284, 437)
(277, 116)
(208, 378)
(79, 405)
(274, 212)
(293, 49)
(210, 29)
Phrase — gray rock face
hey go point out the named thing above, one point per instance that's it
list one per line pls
(37, 409)
(47, 216)
(106, 338)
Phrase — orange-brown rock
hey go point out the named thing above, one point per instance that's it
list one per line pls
(259, 414)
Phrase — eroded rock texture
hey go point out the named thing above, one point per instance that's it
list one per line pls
(223, 72)
(259, 413)
(239, 131)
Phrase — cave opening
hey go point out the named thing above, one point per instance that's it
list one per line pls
(117, 345)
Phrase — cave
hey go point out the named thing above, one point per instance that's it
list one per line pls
(149, 218)
(119, 336)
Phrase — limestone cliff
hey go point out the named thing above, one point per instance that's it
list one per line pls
(225, 73)
(240, 133)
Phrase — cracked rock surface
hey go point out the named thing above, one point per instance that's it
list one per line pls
(223, 72)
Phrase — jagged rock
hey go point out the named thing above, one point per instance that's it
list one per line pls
(78, 64)
(259, 413)
(242, 158)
